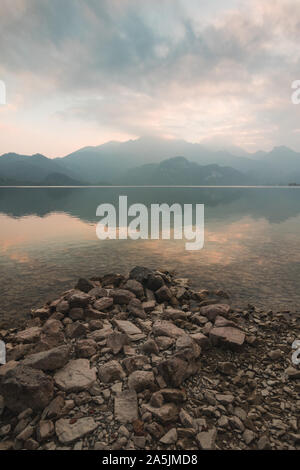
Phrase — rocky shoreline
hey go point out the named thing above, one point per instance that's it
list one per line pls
(145, 362)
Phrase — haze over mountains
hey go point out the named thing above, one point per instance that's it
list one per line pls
(153, 161)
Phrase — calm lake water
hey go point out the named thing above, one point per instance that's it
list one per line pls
(48, 239)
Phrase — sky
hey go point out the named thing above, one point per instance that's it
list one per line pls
(84, 72)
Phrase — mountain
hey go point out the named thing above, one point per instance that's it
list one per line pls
(30, 169)
(112, 159)
(180, 171)
(114, 162)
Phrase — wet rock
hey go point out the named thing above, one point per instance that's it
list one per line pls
(122, 296)
(24, 387)
(76, 376)
(134, 286)
(79, 299)
(154, 282)
(68, 431)
(111, 371)
(140, 274)
(126, 407)
(84, 285)
(51, 359)
(98, 292)
(163, 294)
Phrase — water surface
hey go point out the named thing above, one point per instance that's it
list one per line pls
(48, 239)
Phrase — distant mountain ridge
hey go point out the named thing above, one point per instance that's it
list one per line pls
(153, 160)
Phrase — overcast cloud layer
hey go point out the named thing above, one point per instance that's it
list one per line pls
(84, 72)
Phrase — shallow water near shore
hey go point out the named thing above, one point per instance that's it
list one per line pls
(48, 240)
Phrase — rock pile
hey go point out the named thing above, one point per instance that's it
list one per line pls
(145, 362)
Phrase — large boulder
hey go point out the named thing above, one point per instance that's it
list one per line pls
(24, 387)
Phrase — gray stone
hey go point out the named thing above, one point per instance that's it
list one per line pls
(227, 336)
(76, 376)
(126, 406)
(206, 440)
(111, 371)
(212, 311)
(68, 431)
(166, 328)
(170, 437)
(141, 380)
(127, 327)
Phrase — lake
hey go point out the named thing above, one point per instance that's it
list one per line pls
(48, 240)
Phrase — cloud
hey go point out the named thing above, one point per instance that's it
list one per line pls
(132, 67)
